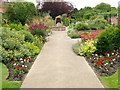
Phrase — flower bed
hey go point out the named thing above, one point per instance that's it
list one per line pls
(19, 69)
(106, 64)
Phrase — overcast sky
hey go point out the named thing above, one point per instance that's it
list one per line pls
(92, 3)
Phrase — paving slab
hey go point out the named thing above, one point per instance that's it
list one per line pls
(57, 66)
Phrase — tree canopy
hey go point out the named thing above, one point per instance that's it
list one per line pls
(56, 8)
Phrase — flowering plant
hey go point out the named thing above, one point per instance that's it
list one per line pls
(91, 35)
(21, 66)
(106, 63)
(38, 29)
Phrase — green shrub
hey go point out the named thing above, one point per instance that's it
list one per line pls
(98, 23)
(20, 12)
(28, 36)
(81, 26)
(14, 47)
(11, 43)
(17, 27)
(109, 40)
(34, 50)
(37, 42)
(74, 36)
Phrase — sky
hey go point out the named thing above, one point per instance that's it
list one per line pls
(92, 3)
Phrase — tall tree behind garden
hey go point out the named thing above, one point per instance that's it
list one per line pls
(20, 12)
(56, 8)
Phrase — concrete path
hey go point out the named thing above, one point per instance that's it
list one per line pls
(57, 66)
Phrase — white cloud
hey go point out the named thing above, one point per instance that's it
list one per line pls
(92, 3)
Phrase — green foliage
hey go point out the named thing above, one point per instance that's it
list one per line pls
(109, 40)
(85, 48)
(20, 12)
(37, 42)
(6, 83)
(111, 81)
(17, 27)
(28, 37)
(66, 20)
(103, 7)
(97, 22)
(40, 32)
(14, 46)
(34, 50)
(71, 33)
(81, 26)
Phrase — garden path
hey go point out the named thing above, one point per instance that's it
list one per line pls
(57, 66)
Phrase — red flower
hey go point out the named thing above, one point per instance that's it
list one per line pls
(110, 52)
(27, 58)
(118, 54)
(17, 67)
(105, 53)
(110, 58)
(83, 36)
(115, 55)
(104, 58)
(12, 61)
(96, 58)
(22, 68)
(99, 63)
(89, 54)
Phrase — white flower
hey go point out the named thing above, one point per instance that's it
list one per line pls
(112, 53)
(96, 54)
(106, 63)
(21, 59)
(114, 59)
(23, 65)
(14, 64)
(108, 55)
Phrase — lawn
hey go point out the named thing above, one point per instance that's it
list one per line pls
(5, 83)
(111, 81)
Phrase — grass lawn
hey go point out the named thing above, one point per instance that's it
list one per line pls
(111, 81)
(5, 83)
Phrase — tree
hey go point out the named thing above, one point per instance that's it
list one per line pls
(103, 7)
(56, 8)
(20, 12)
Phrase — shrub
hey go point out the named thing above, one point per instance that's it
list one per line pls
(38, 29)
(71, 33)
(14, 47)
(98, 23)
(37, 42)
(86, 48)
(81, 26)
(109, 40)
(20, 12)
(34, 50)
(28, 37)
(17, 27)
